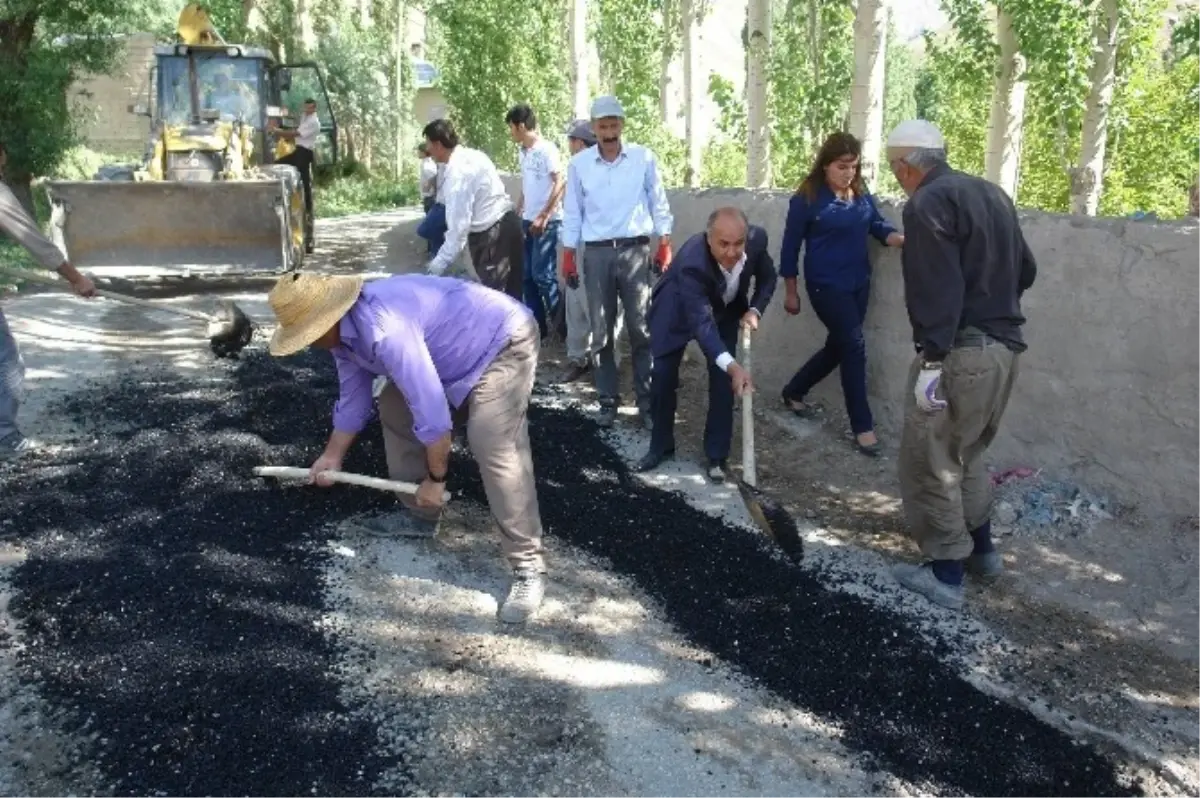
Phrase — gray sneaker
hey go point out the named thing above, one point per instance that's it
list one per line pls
(986, 566)
(15, 446)
(398, 524)
(524, 597)
(920, 579)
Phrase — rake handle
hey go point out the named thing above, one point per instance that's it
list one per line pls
(289, 472)
(749, 465)
(46, 279)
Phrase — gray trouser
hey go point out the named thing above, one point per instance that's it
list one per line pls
(944, 484)
(12, 380)
(619, 275)
(498, 433)
(579, 323)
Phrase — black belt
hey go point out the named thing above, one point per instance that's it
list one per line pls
(619, 243)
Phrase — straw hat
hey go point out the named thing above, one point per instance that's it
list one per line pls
(307, 306)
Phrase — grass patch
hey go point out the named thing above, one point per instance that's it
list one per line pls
(348, 188)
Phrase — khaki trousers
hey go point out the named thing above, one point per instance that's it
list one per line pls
(498, 432)
(944, 484)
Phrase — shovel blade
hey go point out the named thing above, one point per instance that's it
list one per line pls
(774, 520)
(230, 331)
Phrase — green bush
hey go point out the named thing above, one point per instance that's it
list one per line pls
(362, 193)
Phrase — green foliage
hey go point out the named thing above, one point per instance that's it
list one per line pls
(356, 63)
(899, 101)
(362, 193)
(812, 64)
(494, 54)
(953, 90)
(1185, 38)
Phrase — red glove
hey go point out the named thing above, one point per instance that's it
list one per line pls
(569, 269)
(662, 258)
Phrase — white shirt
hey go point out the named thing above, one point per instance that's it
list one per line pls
(539, 164)
(621, 199)
(307, 132)
(732, 278)
(429, 176)
(475, 200)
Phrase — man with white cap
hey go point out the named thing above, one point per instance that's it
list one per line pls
(966, 265)
(615, 201)
(579, 330)
(410, 328)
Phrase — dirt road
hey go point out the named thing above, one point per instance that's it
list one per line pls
(174, 627)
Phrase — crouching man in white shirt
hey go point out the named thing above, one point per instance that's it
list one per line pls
(479, 213)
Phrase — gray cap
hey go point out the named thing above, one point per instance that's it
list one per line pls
(606, 106)
(581, 129)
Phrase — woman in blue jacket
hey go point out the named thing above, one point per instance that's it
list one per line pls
(831, 214)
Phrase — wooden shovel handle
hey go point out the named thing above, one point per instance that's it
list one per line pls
(749, 463)
(289, 472)
(47, 279)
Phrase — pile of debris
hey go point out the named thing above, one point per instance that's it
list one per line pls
(1029, 503)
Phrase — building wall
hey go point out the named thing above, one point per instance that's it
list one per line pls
(1108, 391)
(112, 127)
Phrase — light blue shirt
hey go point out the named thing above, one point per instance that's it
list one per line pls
(622, 199)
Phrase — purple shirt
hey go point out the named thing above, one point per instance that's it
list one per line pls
(433, 336)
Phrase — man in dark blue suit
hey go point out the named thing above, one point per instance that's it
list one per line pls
(706, 296)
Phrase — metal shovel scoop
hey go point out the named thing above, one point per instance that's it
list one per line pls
(229, 331)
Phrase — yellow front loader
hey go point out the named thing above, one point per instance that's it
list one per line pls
(209, 196)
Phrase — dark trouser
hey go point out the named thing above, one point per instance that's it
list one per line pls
(302, 159)
(541, 273)
(944, 485)
(433, 227)
(842, 313)
(498, 254)
(664, 383)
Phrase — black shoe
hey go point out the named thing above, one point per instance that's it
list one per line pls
(574, 372)
(800, 408)
(653, 460)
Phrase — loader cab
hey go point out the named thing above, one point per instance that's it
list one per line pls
(291, 85)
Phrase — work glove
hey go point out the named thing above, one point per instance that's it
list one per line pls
(570, 270)
(434, 270)
(925, 389)
(662, 258)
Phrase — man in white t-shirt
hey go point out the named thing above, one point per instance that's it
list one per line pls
(543, 181)
(303, 157)
(479, 213)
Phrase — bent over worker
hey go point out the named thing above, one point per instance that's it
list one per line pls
(410, 329)
(615, 200)
(966, 265)
(20, 227)
(706, 297)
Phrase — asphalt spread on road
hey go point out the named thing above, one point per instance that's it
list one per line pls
(170, 607)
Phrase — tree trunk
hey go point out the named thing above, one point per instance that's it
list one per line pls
(758, 122)
(814, 54)
(364, 14)
(578, 54)
(1087, 178)
(867, 93)
(252, 19)
(403, 98)
(694, 90)
(22, 188)
(306, 37)
(1002, 159)
(672, 30)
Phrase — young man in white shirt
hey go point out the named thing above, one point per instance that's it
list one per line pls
(303, 157)
(543, 182)
(479, 213)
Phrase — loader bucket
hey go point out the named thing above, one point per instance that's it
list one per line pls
(130, 229)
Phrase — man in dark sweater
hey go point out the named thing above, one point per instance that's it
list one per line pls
(966, 265)
(721, 280)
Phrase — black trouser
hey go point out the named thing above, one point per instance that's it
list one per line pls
(498, 254)
(664, 385)
(302, 159)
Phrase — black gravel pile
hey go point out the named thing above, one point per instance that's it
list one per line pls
(171, 602)
(838, 656)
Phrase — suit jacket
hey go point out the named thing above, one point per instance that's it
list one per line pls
(688, 300)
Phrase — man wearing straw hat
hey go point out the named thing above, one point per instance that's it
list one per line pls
(410, 329)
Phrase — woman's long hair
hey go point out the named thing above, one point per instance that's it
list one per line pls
(838, 145)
